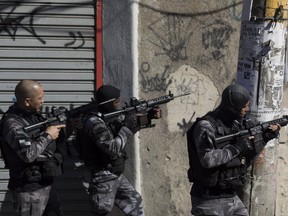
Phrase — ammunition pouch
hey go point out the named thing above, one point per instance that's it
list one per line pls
(231, 179)
(205, 176)
(233, 175)
(44, 167)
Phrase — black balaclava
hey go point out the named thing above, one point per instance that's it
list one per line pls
(106, 93)
(234, 98)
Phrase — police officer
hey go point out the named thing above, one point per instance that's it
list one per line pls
(217, 171)
(32, 157)
(105, 142)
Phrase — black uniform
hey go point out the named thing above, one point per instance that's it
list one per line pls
(103, 148)
(33, 161)
(217, 171)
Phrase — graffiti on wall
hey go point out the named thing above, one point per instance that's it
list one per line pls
(151, 82)
(74, 40)
(172, 36)
(215, 55)
(215, 38)
(10, 25)
(11, 21)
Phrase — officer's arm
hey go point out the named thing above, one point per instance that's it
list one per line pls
(97, 130)
(26, 148)
(209, 156)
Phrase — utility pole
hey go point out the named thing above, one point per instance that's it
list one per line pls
(261, 64)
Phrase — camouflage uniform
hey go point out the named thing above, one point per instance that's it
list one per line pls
(213, 201)
(106, 159)
(217, 171)
(29, 183)
(220, 207)
(42, 201)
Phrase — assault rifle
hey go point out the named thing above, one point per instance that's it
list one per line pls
(142, 106)
(60, 115)
(253, 130)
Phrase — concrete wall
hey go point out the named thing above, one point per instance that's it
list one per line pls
(117, 56)
(183, 46)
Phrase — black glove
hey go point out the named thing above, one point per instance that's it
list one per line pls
(154, 113)
(242, 144)
(131, 121)
(269, 135)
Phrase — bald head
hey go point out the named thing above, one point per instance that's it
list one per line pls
(26, 89)
(29, 94)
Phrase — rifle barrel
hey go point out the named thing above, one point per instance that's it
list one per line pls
(184, 94)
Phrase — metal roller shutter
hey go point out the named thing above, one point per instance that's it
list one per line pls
(52, 42)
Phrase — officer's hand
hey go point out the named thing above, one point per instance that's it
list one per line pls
(243, 144)
(54, 130)
(155, 113)
(275, 127)
(131, 121)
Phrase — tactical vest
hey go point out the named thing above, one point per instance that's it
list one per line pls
(93, 156)
(41, 171)
(229, 175)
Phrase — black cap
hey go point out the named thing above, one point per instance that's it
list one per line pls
(107, 92)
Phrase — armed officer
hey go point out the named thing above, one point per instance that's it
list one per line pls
(104, 144)
(32, 157)
(216, 172)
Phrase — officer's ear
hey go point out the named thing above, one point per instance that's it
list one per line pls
(27, 102)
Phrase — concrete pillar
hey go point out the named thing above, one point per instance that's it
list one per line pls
(261, 64)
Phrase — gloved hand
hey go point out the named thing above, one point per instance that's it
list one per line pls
(131, 121)
(155, 113)
(242, 144)
(272, 132)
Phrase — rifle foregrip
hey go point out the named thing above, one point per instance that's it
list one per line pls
(281, 121)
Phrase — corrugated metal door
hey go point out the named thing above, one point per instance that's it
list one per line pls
(53, 42)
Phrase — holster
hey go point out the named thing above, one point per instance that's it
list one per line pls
(117, 166)
(53, 166)
(32, 174)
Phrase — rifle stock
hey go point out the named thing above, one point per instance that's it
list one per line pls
(48, 122)
(60, 115)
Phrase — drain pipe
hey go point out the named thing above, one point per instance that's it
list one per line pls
(134, 32)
